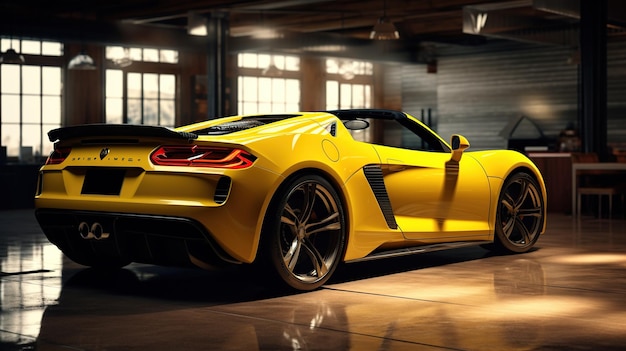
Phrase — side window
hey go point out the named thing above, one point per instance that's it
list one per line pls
(410, 136)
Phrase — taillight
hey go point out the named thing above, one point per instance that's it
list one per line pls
(58, 155)
(202, 156)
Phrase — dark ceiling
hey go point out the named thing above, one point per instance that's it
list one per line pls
(303, 24)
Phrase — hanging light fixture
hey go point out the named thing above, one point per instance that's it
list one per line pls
(81, 61)
(272, 69)
(11, 56)
(384, 29)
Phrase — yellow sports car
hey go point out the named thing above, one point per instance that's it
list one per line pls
(295, 194)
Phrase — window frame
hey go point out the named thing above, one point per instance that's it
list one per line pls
(142, 68)
(288, 73)
(43, 146)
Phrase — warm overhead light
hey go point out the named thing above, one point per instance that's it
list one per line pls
(11, 56)
(81, 61)
(120, 56)
(272, 70)
(196, 24)
(384, 30)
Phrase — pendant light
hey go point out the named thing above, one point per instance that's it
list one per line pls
(11, 56)
(384, 29)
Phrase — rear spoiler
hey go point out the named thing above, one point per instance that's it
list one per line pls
(115, 130)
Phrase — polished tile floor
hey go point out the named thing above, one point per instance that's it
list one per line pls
(568, 294)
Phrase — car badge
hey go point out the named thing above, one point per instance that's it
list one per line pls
(104, 152)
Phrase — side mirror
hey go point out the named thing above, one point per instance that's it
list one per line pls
(459, 144)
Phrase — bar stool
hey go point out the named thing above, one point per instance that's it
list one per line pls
(602, 191)
(596, 185)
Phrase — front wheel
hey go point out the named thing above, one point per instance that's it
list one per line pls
(521, 214)
(305, 232)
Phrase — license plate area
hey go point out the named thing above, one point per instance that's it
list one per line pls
(103, 181)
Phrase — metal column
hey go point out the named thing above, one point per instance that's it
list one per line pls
(217, 33)
(593, 119)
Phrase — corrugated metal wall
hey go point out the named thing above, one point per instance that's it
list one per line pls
(478, 93)
(616, 94)
(477, 90)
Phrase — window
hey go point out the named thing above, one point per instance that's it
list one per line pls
(349, 85)
(407, 135)
(30, 102)
(268, 83)
(139, 93)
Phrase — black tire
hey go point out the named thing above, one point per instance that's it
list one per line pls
(305, 232)
(520, 214)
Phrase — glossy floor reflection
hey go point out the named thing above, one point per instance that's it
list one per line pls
(568, 294)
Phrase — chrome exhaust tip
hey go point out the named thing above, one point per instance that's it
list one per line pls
(95, 231)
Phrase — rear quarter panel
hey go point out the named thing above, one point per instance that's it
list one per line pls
(500, 164)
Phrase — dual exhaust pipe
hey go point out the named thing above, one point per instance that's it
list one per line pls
(94, 231)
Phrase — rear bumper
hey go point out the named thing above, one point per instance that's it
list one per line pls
(162, 240)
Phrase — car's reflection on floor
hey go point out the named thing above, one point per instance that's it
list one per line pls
(156, 308)
(567, 294)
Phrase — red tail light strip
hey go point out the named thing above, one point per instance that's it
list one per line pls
(202, 156)
(58, 155)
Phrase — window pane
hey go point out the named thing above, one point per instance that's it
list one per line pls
(332, 94)
(10, 78)
(167, 86)
(368, 96)
(293, 91)
(248, 61)
(264, 107)
(51, 48)
(11, 138)
(52, 82)
(346, 96)
(263, 61)
(31, 77)
(52, 109)
(358, 100)
(31, 105)
(32, 47)
(134, 111)
(151, 55)
(10, 109)
(249, 107)
(31, 137)
(114, 83)
(169, 56)
(292, 63)
(150, 85)
(279, 61)
(278, 90)
(6, 44)
(167, 113)
(114, 52)
(114, 110)
(265, 90)
(151, 112)
(134, 85)
(249, 88)
(136, 54)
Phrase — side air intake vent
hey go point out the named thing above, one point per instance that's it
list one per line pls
(222, 190)
(374, 176)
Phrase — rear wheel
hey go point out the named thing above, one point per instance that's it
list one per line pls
(305, 232)
(520, 215)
